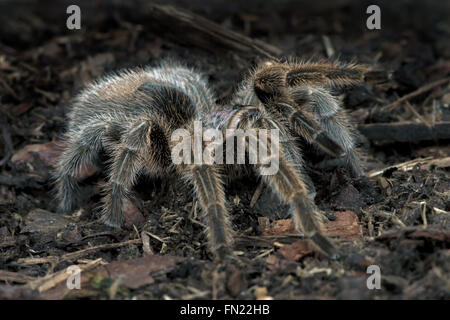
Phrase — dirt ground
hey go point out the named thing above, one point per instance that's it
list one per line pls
(401, 224)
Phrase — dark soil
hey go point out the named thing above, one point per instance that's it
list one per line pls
(404, 216)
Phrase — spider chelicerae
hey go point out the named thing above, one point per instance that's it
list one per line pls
(131, 116)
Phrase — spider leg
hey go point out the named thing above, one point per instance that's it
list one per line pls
(338, 126)
(207, 182)
(293, 81)
(306, 126)
(329, 74)
(334, 122)
(332, 74)
(208, 187)
(127, 161)
(273, 87)
(82, 151)
(274, 80)
(288, 183)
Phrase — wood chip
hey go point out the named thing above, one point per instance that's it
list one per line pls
(45, 222)
(346, 226)
(296, 250)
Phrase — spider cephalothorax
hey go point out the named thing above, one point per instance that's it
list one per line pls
(132, 115)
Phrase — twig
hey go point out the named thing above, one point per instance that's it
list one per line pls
(146, 243)
(265, 253)
(414, 111)
(257, 194)
(14, 276)
(408, 165)
(405, 131)
(328, 46)
(267, 241)
(193, 215)
(52, 280)
(424, 213)
(198, 223)
(404, 166)
(417, 92)
(392, 217)
(77, 254)
(440, 211)
(192, 28)
(155, 237)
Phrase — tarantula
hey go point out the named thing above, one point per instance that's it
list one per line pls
(131, 115)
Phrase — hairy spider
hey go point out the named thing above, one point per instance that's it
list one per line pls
(131, 116)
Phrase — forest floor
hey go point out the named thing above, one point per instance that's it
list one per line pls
(401, 224)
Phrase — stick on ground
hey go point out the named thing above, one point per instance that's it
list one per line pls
(405, 131)
(411, 95)
(192, 28)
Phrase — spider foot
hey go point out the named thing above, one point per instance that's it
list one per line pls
(225, 256)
